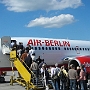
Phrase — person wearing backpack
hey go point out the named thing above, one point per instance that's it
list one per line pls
(55, 77)
(63, 77)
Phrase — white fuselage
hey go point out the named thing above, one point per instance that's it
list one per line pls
(51, 50)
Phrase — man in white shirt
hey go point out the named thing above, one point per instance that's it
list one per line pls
(52, 70)
(31, 51)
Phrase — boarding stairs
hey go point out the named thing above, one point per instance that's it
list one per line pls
(25, 78)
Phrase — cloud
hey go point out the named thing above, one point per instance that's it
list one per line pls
(52, 22)
(31, 5)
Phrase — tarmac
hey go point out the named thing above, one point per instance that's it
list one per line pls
(7, 86)
(16, 86)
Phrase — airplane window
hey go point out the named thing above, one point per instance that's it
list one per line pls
(42, 48)
(58, 48)
(49, 48)
(80, 48)
(75, 48)
(67, 48)
(64, 48)
(83, 48)
(72, 48)
(32, 47)
(39, 48)
(35, 48)
(52, 48)
(88, 49)
(46, 48)
(55, 48)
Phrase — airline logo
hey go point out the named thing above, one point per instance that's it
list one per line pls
(37, 42)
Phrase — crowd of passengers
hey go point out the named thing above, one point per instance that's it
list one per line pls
(62, 79)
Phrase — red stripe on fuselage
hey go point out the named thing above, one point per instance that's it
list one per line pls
(7, 68)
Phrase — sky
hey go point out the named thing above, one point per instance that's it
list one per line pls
(62, 19)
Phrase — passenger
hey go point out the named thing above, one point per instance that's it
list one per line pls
(84, 67)
(24, 55)
(33, 56)
(68, 80)
(34, 68)
(20, 47)
(28, 61)
(63, 77)
(85, 72)
(38, 60)
(72, 74)
(52, 70)
(45, 74)
(15, 46)
(42, 62)
(83, 79)
(78, 81)
(57, 80)
(28, 47)
(12, 43)
(31, 51)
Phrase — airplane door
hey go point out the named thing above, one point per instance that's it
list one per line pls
(77, 50)
(6, 44)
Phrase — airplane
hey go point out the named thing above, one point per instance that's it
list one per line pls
(61, 51)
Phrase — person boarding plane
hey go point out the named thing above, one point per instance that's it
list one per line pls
(53, 51)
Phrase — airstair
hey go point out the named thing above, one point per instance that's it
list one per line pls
(25, 78)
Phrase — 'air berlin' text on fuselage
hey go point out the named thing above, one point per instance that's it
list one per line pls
(36, 42)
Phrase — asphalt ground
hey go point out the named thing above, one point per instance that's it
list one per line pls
(16, 86)
(7, 86)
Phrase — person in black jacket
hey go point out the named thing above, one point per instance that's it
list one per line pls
(28, 61)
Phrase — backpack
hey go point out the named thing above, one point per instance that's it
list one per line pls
(63, 76)
(55, 76)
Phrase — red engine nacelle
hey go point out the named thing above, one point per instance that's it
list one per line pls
(82, 60)
(86, 61)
